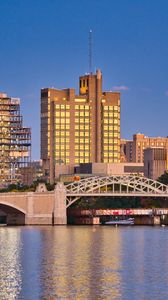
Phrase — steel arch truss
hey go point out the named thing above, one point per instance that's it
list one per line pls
(115, 185)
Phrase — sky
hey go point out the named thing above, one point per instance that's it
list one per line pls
(45, 44)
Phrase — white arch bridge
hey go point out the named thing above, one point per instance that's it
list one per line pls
(115, 186)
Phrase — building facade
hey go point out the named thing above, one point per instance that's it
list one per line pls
(15, 141)
(134, 149)
(154, 162)
(79, 128)
(31, 173)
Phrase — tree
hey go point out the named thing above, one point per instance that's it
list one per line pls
(163, 178)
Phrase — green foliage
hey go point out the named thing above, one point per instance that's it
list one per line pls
(107, 202)
(119, 202)
(25, 188)
(163, 178)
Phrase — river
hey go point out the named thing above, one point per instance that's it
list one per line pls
(83, 262)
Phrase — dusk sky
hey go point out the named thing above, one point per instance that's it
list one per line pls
(44, 43)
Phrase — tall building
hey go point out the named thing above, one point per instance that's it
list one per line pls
(154, 162)
(15, 141)
(134, 150)
(79, 128)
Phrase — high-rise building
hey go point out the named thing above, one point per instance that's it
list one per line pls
(79, 128)
(15, 140)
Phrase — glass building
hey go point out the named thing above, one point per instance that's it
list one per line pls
(15, 141)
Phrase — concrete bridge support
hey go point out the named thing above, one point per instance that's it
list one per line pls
(60, 212)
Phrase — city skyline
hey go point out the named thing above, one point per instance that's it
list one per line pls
(40, 49)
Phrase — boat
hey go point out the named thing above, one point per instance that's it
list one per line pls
(129, 221)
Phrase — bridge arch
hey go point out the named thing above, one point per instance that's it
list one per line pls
(13, 206)
(99, 186)
(11, 214)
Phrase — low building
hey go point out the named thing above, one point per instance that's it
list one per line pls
(101, 169)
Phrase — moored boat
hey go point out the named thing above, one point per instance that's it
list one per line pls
(129, 221)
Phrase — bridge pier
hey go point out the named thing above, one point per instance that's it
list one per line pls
(60, 212)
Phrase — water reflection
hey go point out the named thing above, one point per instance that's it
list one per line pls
(10, 265)
(83, 263)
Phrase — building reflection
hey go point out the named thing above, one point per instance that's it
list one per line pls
(10, 270)
(82, 262)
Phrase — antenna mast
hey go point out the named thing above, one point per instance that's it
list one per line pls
(90, 51)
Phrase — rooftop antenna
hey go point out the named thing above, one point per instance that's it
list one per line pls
(90, 51)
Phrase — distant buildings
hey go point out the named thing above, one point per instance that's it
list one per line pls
(15, 141)
(134, 149)
(154, 162)
(79, 128)
(31, 173)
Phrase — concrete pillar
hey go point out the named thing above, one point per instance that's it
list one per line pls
(30, 209)
(156, 220)
(60, 214)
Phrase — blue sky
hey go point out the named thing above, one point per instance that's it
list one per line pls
(45, 44)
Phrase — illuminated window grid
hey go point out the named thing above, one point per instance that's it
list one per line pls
(62, 142)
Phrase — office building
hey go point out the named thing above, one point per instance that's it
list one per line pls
(79, 128)
(134, 149)
(154, 162)
(15, 141)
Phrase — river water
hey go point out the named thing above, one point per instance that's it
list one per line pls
(84, 262)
